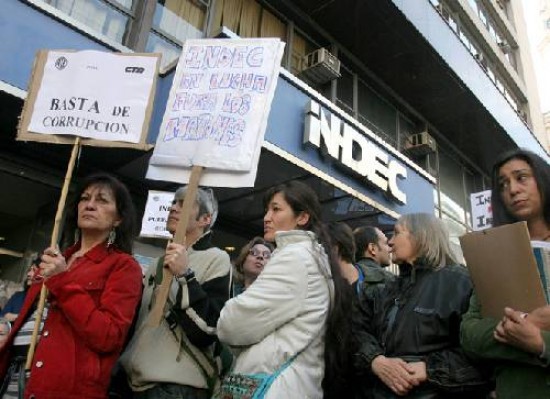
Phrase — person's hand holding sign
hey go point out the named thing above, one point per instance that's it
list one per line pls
(176, 259)
(52, 263)
(516, 330)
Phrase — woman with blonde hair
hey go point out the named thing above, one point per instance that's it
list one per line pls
(408, 331)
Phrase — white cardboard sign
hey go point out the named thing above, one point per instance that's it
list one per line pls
(217, 109)
(155, 216)
(482, 213)
(94, 94)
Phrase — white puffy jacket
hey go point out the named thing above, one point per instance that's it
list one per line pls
(282, 313)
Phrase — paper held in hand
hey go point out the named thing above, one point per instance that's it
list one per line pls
(503, 266)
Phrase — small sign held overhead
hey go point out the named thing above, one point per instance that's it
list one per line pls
(482, 213)
(104, 98)
(155, 215)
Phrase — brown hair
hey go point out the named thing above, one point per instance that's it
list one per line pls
(239, 262)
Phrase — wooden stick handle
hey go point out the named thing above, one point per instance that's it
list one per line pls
(53, 242)
(155, 316)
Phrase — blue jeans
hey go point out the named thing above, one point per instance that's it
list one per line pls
(172, 391)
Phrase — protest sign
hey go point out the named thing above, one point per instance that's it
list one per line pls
(100, 99)
(105, 98)
(215, 119)
(217, 110)
(482, 214)
(155, 215)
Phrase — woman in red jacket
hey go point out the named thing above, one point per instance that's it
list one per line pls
(94, 288)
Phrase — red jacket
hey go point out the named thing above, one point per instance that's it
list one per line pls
(91, 308)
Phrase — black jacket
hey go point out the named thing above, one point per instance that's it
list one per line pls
(417, 318)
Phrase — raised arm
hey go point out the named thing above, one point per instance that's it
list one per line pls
(101, 326)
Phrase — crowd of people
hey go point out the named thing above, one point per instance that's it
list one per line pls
(306, 311)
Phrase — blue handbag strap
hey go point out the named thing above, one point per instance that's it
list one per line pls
(283, 367)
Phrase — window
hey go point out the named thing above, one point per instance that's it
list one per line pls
(344, 90)
(173, 22)
(247, 18)
(377, 112)
(301, 46)
(453, 198)
(455, 231)
(110, 18)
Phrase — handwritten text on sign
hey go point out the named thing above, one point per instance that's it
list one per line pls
(94, 94)
(217, 108)
(482, 213)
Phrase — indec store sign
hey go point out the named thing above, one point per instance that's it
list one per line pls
(353, 149)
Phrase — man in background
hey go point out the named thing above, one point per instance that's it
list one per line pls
(372, 255)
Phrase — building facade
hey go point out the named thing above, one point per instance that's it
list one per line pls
(429, 91)
(539, 36)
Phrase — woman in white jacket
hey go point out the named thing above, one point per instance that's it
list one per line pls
(296, 307)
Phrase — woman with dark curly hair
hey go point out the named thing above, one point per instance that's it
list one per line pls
(94, 287)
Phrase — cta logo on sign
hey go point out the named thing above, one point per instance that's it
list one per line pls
(134, 69)
(357, 151)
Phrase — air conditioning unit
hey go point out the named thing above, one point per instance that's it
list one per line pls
(420, 144)
(320, 66)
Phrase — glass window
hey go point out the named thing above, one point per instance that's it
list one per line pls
(300, 47)
(179, 19)
(511, 99)
(99, 15)
(376, 111)
(158, 44)
(482, 17)
(491, 74)
(464, 39)
(173, 22)
(453, 199)
(272, 26)
(406, 128)
(249, 24)
(455, 230)
(452, 23)
(344, 86)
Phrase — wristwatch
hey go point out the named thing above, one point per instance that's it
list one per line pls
(187, 276)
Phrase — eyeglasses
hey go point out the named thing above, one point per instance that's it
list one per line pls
(256, 252)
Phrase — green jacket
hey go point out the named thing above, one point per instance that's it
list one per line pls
(519, 374)
(374, 275)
